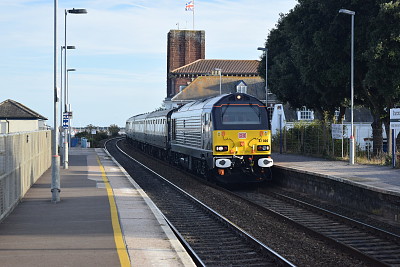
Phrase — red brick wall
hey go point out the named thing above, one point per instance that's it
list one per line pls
(184, 47)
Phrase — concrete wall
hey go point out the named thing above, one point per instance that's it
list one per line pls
(24, 157)
(13, 126)
(340, 192)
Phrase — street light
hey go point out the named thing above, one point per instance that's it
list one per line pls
(55, 162)
(266, 73)
(220, 79)
(61, 95)
(71, 11)
(68, 137)
(352, 13)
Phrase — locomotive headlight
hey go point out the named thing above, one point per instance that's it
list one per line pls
(265, 162)
(221, 148)
(263, 148)
(223, 163)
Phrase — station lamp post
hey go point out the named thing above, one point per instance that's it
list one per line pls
(68, 137)
(55, 161)
(352, 144)
(71, 11)
(61, 95)
(266, 73)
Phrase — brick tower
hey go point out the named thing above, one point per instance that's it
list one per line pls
(184, 47)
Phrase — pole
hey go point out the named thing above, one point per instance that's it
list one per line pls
(352, 143)
(61, 104)
(66, 159)
(280, 133)
(394, 147)
(266, 77)
(220, 81)
(55, 163)
(193, 14)
(266, 73)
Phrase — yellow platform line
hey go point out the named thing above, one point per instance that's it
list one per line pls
(119, 241)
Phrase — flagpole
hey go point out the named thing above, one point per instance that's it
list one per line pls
(193, 14)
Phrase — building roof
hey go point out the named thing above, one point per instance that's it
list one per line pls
(10, 109)
(228, 67)
(206, 86)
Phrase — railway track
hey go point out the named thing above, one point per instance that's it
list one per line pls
(212, 239)
(375, 246)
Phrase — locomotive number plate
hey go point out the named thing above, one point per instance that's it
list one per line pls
(242, 135)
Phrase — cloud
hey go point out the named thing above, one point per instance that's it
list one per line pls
(121, 50)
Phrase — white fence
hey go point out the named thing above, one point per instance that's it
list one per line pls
(24, 157)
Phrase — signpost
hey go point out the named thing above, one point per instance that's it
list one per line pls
(394, 125)
(337, 133)
(65, 120)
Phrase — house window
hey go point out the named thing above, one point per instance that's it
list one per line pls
(242, 89)
(337, 113)
(305, 114)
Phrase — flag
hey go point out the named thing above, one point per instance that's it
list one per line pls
(189, 6)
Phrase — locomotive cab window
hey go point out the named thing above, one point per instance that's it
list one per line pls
(246, 117)
(249, 114)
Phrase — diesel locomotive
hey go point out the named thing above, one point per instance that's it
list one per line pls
(226, 138)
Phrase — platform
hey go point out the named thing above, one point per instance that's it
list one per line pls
(103, 219)
(383, 179)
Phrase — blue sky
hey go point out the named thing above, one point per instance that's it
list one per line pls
(120, 55)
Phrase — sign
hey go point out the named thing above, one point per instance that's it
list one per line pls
(242, 135)
(93, 131)
(337, 131)
(395, 118)
(65, 121)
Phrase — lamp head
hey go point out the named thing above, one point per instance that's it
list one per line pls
(77, 11)
(346, 11)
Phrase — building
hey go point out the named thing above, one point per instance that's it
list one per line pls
(15, 117)
(190, 76)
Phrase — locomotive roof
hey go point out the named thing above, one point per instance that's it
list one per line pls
(208, 103)
(202, 103)
(154, 114)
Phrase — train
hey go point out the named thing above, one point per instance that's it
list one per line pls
(226, 138)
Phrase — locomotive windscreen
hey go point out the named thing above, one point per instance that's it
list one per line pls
(240, 117)
(246, 114)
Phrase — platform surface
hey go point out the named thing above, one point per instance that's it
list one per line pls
(79, 230)
(379, 178)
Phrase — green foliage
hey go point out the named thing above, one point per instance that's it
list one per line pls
(114, 130)
(310, 138)
(309, 57)
(315, 139)
(94, 139)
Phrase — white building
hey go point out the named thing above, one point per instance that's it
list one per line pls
(15, 117)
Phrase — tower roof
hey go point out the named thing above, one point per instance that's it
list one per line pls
(228, 67)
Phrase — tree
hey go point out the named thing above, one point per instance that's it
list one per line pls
(309, 57)
(382, 81)
(114, 129)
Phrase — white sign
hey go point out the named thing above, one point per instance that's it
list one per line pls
(337, 131)
(395, 118)
(93, 131)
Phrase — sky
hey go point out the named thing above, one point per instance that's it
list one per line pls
(121, 50)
